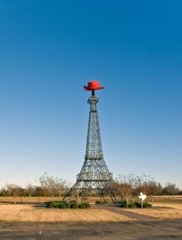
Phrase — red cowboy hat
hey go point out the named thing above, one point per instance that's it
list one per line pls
(93, 85)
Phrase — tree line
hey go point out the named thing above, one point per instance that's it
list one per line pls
(124, 186)
(129, 186)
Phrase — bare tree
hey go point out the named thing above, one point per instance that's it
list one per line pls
(14, 190)
(3, 192)
(148, 185)
(123, 187)
(30, 190)
(127, 186)
(39, 191)
(170, 189)
(53, 185)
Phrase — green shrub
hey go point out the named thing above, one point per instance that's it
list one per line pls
(132, 205)
(81, 205)
(84, 205)
(145, 205)
(57, 204)
(50, 204)
(123, 204)
(68, 204)
(62, 205)
(138, 204)
(74, 205)
(87, 204)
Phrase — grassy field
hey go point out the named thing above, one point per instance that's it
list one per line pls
(161, 211)
(163, 208)
(29, 213)
(33, 221)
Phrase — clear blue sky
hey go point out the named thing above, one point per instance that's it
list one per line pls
(50, 49)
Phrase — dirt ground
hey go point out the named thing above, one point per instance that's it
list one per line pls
(167, 229)
(30, 222)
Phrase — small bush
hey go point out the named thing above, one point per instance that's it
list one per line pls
(56, 204)
(84, 205)
(147, 205)
(81, 205)
(74, 205)
(62, 205)
(123, 204)
(132, 205)
(50, 204)
(138, 204)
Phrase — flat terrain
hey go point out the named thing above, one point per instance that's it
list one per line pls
(29, 213)
(32, 221)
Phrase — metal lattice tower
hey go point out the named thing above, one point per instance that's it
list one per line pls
(94, 175)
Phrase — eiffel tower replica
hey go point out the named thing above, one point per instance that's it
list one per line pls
(94, 177)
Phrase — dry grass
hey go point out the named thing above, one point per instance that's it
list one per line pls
(27, 221)
(26, 199)
(163, 208)
(17, 212)
(161, 211)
